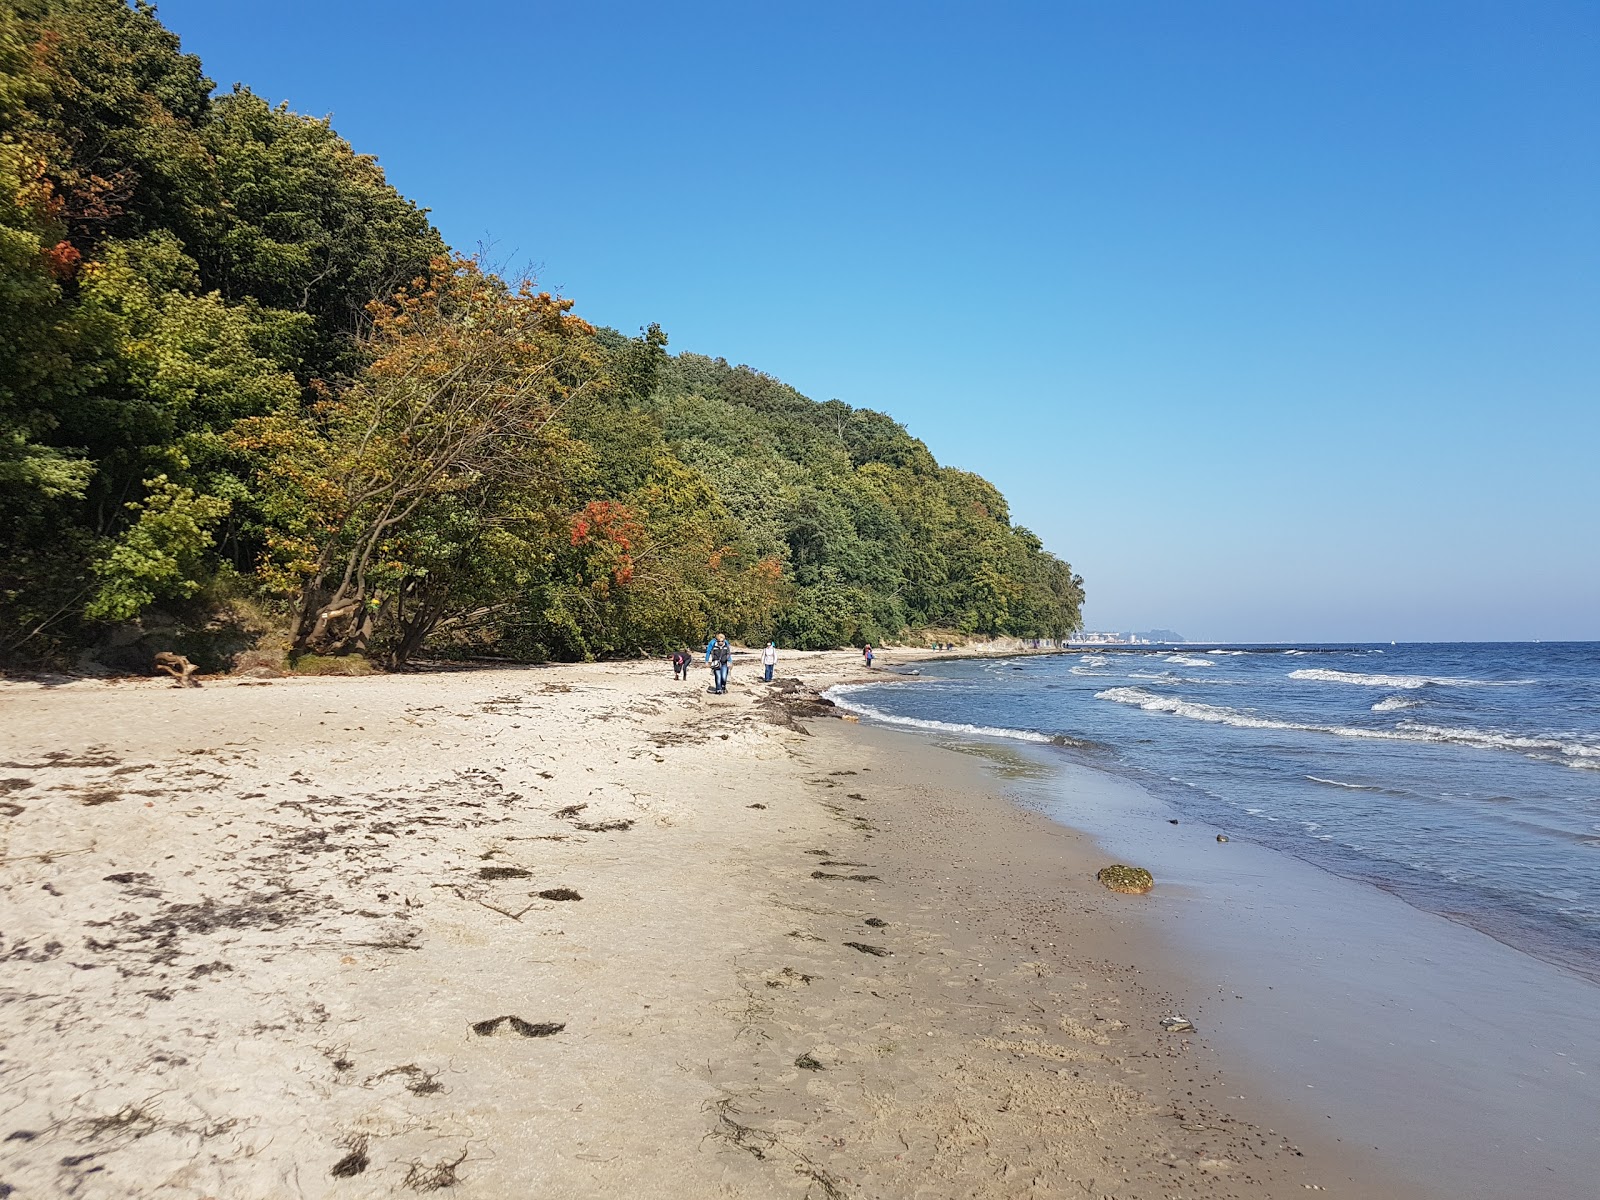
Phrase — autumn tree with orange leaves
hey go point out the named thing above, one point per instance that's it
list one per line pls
(467, 378)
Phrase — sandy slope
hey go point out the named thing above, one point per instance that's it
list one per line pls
(254, 939)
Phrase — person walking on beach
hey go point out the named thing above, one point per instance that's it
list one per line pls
(721, 655)
(866, 655)
(769, 660)
(680, 664)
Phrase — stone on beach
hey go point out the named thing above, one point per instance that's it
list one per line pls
(1131, 881)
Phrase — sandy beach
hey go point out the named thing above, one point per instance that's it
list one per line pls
(574, 931)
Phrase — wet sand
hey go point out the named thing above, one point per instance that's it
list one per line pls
(1459, 1061)
(575, 931)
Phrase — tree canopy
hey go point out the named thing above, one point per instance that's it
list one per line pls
(245, 385)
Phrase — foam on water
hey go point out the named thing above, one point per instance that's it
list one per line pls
(1358, 679)
(1394, 704)
(1339, 783)
(841, 694)
(1405, 731)
(1188, 660)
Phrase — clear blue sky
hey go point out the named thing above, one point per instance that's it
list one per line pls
(1278, 320)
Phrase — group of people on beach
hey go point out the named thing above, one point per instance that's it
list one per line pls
(719, 657)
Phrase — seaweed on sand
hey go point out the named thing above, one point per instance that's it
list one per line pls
(503, 873)
(426, 1177)
(528, 1029)
(868, 948)
(355, 1162)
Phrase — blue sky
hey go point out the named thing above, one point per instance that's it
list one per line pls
(1278, 320)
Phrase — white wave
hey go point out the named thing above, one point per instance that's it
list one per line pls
(1215, 714)
(1407, 682)
(1186, 660)
(1174, 677)
(840, 695)
(1493, 739)
(1394, 704)
(1087, 671)
(1094, 660)
(1354, 787)
(1569, 753)
(1227, 652)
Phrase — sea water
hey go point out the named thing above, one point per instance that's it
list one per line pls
(1463, 778)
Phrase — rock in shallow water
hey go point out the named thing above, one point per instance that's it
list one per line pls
(1132, 881)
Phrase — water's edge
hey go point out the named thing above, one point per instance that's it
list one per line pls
(1460, 1060)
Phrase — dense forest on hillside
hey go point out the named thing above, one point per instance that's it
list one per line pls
(250, 402)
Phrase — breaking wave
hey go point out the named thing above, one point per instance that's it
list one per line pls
(1394, 704)
(1408, 682)
(842, 695)
(1570, 753)
(1187, 660)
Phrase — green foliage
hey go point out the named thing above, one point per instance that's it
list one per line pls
(158, 555)
(312, 226)
(237, 368)
(874, 534)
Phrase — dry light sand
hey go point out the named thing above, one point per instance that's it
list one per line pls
(569, 932)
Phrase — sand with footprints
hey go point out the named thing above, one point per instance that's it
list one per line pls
(566, 932)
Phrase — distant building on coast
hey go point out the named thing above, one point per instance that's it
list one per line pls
(1103, 638)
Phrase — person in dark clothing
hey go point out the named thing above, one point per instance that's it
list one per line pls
(680, 664)
(721, 656)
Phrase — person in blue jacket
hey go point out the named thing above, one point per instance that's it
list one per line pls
(721, 656)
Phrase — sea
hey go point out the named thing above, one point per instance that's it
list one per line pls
(1462, 778)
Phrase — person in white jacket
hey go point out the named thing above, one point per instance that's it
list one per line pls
(769, 659)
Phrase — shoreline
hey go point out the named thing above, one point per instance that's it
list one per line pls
(1460, 1059)
(1549, 953)
(262, 930)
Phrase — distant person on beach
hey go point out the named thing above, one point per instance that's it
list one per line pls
(769, 660)
(721, 655)
(866, 655)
